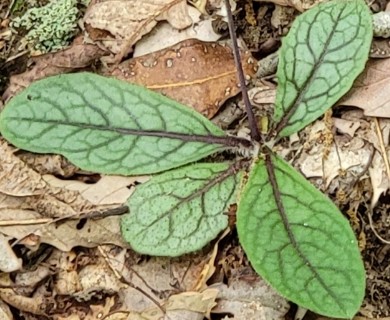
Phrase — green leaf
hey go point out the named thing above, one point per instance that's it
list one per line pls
(109, 126)
(324, 51)
(182, 210)
(298, 240)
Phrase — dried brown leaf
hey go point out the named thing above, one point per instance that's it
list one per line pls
(94, 277)
(79, 55)
(48, 164)
(128, 21)
(370, 90)
(16, 178)
(30, 205)
(33, 305)
(5, 312)
(26, 189)
(9, 262)
(185, 305)
(108, 190)
(249, 299)
(64, 236)
(160, 278)
(164, 35)
(345, 155)
(195, 73)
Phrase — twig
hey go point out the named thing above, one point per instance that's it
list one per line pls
(8, 223)
(255, 133)
(383, 148)
(88, 215)
(120, 277)
(370, 213)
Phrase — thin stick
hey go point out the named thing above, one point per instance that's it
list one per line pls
(382, 145)
(120, 277)
(255, 133)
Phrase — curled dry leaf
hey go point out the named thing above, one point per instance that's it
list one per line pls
(108, 190)
(164, 35)
(32, 305)
(345, 155)
(64, 236)
(26, 189)
(28, 205)
(16, 178)
(185, 305)
(5, 312)
(195, 73)
(9, 262)
(370, 90)
(156, 276)
(48, 164)
(97, 277)
(128, 21)
(249, 299)
(79, 55)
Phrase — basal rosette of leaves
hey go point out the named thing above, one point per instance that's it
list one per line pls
(293, 235)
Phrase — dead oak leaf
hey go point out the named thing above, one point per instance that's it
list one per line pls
(185, 305)
(9, 262)
(164, 35)
(53, 164)
(33, 215)
(248, 297)
(370, 90)
(128, 21)
(16, 178)
(79, 55)
(64, 236)
(24, 188)
(198, 74)
(108, 190)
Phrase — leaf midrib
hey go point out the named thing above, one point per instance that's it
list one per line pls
(226, 141)
(219, 178)
(306, 85)
(278, 201)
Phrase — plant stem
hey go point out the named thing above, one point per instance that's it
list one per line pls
(255, 133)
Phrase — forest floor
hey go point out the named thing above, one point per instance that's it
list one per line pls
(82, 268)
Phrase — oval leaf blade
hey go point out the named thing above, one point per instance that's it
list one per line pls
(298, 240)
(182, 210)
(109, 126)
(324, 51)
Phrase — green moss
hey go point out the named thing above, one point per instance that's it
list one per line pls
(51, 27)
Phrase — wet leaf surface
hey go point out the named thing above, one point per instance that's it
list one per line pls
(210, 83)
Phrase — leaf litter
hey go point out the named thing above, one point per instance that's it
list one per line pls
(211, 82)
(354, 138)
